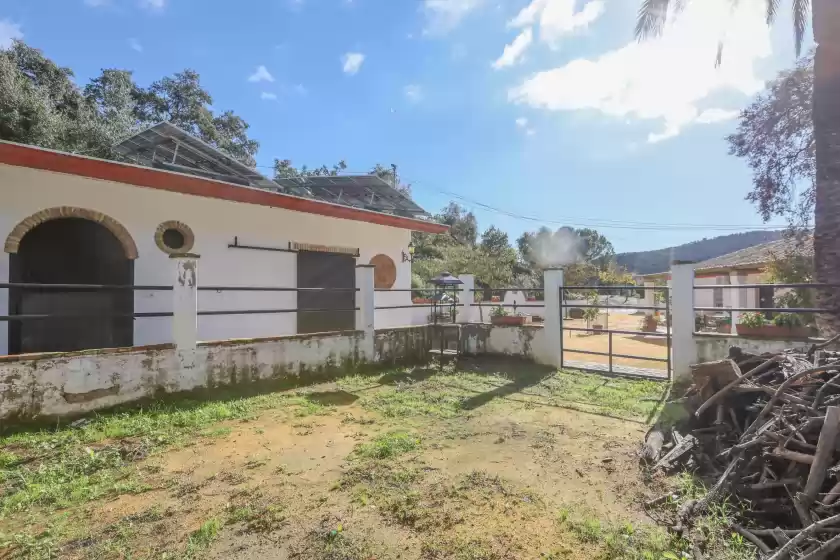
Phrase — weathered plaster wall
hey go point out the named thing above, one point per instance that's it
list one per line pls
(527, 341)
(716, 346)
(404, 345)
(74, 383)
(215, 223)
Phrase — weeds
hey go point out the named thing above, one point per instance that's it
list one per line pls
(202, 537)
(388, 445)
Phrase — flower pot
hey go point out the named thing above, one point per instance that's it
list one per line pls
(725, 328)
(419, 300)
(774, 331)
(511, 320)
(650, 324)
(597, 327)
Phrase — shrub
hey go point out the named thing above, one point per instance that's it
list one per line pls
(752, 320)
(499, 312)
(790, 320)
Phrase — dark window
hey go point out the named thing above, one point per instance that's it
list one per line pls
(326, 270)
(173, 238)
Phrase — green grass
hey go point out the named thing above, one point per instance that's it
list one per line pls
(619, 541)
(203, 537)
(67, 466)
(388, 445)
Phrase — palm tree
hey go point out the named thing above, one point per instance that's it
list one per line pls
(825, 22)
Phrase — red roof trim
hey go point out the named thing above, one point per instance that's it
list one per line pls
(48, 160)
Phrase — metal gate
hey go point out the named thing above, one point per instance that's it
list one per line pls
(571, 307)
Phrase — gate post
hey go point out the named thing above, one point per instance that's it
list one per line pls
(185, 301)
(366, 310)
(552, 354)
(466, 297)
(682, 319)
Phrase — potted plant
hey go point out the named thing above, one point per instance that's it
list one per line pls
(649, 323)
(591, 314)
(791, 325)
(784, 325)
(499, 316)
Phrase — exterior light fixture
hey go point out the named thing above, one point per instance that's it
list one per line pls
(410, 256)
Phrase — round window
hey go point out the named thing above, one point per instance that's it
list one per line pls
(174, 237)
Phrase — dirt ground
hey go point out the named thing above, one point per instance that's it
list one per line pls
(493, 461)
(631, 345)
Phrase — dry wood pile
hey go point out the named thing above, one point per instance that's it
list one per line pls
(763, 430)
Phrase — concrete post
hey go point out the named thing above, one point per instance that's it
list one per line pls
(682, 320)
(650, 297)
(466, 297)
(737, 298)
(366, 309)
(185, 302)
(552, 354)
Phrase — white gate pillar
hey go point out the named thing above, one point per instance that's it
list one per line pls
(185, 302)
(552, 353)
(682, 320)
(466, 297)
(366, 309)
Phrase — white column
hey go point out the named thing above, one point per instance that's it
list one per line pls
(4, 304)
(552, 354)
(466, 297)
(683, 349)
(737, 298)
(650, 297)
(185, 302)
(366, 309)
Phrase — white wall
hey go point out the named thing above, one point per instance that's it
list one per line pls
(75, 383)
(215, 223)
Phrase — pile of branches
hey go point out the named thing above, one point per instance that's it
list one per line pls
(763, 430)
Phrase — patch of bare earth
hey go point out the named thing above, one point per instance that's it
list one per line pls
(484, 483)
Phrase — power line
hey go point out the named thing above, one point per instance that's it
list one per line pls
(604, 223)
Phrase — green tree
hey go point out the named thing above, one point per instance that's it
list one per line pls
(825, 22)
(41, 105)
(776, 137)
(283, 169)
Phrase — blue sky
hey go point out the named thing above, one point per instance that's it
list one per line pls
(541, 108)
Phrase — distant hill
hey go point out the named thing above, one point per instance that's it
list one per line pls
(647, 262)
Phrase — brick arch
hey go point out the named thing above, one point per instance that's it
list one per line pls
(13, 240)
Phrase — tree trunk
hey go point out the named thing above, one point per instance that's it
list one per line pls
(826, 114)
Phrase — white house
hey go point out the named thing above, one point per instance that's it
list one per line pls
(69, 219)
(746, 266)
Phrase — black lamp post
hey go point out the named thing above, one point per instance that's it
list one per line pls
(410, 256)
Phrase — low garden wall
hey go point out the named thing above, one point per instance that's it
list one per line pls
(714, 346)
(72, 383)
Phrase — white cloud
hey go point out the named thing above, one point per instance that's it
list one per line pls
(135, 45)
(514, 51)
(261, 74)
(97, 3)
(521, 122)
(9, 31)
(557, 18)
(530, 132)
(714, 115)
(445, 15)
(413, 93)
(268, 96)
(662, 80)
(300, 89)
(352, 62)
(153, 4)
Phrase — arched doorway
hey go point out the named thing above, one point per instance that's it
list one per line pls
(71, 250)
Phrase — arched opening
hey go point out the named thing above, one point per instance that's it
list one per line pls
(70, 251)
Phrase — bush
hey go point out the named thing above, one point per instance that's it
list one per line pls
(752, 320)
(790, 320)
(499, 312)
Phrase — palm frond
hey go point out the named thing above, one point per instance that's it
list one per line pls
(652, 16)
(772, 8)
(801, 13)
